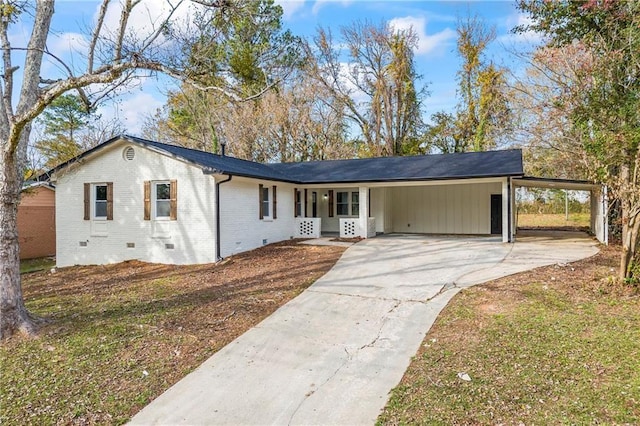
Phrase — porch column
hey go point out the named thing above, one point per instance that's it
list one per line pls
(363, 217)
(512, 217)
(506, 219)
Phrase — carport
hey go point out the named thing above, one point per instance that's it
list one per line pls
(460, 194)
(597, 195)
(446, 194)
(468, 206)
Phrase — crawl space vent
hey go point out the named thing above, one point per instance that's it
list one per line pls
(129, 153)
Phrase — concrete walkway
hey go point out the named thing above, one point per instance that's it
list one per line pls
(331, 355)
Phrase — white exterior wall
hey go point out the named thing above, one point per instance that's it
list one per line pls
(329, 224)
(380, 209)
(241, 228)
(444, 209)
(192, 234)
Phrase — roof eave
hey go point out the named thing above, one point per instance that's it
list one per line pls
(249, 175)
(421, 179)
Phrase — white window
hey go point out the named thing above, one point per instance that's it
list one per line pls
(347, 203)
(342, 203)
(298, 203)
(162, 200)
(355, 203)
(266, 214)
(100, 201)
(267, 202)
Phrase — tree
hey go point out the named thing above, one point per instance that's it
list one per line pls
(483, 115)
(378, 90)
(63, 120)
(254, 51)
(113, 57)
(606, 110)
(291, 122)
(543, 117)
(442, 134)
(246, 51)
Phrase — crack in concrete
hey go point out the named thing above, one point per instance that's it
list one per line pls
(397, 302)
(452, 285)
(507, 254)
(308, 394)
(349, 358)
(446, 287)
(384, 322)
(360, 296)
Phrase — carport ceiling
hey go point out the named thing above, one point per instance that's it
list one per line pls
(573, 185)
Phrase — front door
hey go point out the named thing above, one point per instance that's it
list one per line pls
(314, 204)
(496, 214)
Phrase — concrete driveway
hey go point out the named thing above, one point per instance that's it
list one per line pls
(331, 355)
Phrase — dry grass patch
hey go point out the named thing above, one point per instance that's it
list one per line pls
(119, 335)
(558, 344)
(552, 220)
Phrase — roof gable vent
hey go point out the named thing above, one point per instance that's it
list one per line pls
(129, 153)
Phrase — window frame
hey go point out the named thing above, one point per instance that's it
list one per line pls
(350, 204)
(266, 202)
(154, 200)
(298, 203)
(94, 201)
(353, 203)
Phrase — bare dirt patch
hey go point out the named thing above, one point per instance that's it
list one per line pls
(119, 335)
(347, 240)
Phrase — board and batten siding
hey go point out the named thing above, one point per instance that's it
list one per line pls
(443, 209)
(188, 240)
(241, 228)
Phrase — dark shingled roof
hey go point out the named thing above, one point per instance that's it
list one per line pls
(422, 167)
(213, 163)
(385, 169)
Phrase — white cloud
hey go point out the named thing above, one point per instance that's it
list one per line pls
(132, 110)
(290, 8)
(520, 19)
(320, 3)
(67, 42)
(426, 43)
(70, 47)
(147, 17)
(346, 71)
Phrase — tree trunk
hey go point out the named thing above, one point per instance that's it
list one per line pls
(630, 230)
(13, 314)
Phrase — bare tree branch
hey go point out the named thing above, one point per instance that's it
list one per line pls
(96, 35)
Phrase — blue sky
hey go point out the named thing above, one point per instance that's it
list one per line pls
(433, 21)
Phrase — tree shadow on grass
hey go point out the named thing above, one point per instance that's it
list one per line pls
(82, 298)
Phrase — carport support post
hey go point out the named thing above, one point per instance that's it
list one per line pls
(363, 214)
(599, 214)
(507, 210)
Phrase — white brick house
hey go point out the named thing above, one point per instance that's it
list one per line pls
(130, 198)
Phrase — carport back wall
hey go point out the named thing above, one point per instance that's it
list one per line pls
(444, 209)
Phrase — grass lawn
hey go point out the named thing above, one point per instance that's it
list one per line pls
(34, 265)
(579, 220)
(119, 335)
(557, 345)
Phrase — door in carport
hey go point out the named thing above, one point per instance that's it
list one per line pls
(496, 214)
